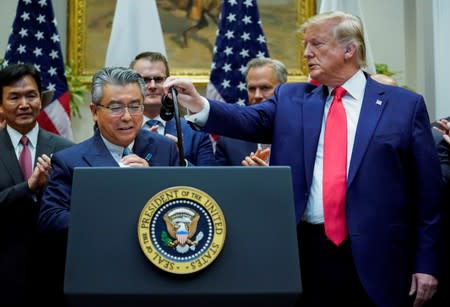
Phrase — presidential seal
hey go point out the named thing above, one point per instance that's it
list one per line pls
(181, 230)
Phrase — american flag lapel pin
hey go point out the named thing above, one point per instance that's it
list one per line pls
(379, 102)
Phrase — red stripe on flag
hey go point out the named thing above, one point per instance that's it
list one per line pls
(64, 99)
(45, 122)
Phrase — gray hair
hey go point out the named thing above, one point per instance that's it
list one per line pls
(347, 29)
(279, 68)
(114, 76)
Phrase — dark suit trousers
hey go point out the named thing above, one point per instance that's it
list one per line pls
(329, 277)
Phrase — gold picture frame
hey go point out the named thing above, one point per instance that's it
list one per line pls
(84, 43)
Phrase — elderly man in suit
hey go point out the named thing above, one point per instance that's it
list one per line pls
(117, 109)
(366, 181)
(154, 68)
(25, 165)
(262, 77)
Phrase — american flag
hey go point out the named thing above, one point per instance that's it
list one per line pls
(239, 38)
(34, 39)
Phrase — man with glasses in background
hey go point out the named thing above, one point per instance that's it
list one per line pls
(154, 68)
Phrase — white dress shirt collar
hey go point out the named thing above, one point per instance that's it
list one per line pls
(16, 136)
(354, 86)
(116, 150)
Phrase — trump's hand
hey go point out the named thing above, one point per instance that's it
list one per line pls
(187, 93)
(424, 286)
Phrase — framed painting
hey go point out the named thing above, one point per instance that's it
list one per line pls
(90, 24)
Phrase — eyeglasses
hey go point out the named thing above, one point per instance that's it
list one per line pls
(157, 79)
(118, 109)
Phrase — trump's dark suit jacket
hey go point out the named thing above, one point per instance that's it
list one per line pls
(19, 208)
(393, 186)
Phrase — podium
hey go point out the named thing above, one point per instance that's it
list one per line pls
(258, 265)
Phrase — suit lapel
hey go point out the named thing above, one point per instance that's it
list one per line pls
(372, 107)
(99, 155)
(144, 145)
(313, 107)
(9, 157)
(44, 145)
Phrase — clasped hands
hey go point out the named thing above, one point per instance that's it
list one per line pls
(258, 158)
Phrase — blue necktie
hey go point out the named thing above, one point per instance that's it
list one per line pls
(152, 122)
(126, 152)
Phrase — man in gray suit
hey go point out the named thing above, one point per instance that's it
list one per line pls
(20, 191)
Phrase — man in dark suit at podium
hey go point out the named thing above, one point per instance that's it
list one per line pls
(262, 76)
(117, 106)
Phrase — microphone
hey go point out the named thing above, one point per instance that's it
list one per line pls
(167, 106)
(169, 109)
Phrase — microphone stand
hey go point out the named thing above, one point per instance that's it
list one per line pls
(178, 127)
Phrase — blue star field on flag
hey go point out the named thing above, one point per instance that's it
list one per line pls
(34, 39)
(239, 38)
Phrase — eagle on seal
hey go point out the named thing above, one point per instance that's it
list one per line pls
(181, 224)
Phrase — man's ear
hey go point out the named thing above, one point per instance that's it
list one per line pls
(93, 108)
(349, 51)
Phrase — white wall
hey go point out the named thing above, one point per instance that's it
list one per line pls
(7, 15)
(387, 38)
(425, 77)
(411, 36)
(441, 24)
(8, 12)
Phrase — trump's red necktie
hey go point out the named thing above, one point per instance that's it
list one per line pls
(335, 169)
(25, 158)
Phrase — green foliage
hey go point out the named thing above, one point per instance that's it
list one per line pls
(77, 91)
(383, 69)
